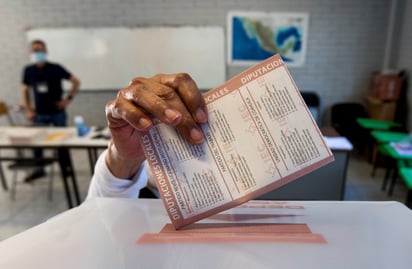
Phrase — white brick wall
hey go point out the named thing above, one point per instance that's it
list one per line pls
(346, 38)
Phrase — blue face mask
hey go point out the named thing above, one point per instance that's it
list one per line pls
(38, 57)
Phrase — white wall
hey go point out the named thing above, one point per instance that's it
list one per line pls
(345, 43)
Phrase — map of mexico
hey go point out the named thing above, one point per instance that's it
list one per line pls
(255, 36)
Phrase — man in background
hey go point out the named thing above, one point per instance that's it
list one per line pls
(42, 80)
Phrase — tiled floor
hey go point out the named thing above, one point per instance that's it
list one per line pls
(360, 186)
(32, 207)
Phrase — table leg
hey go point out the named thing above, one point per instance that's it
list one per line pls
(408, 201)
(386, 178)
(3, 179)
(91, 160)
(66, 167)
(64, 174)
(93, 155)
(391, 167)
(73, 177)
(393, 181)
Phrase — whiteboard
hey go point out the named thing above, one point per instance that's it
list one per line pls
(108, 58)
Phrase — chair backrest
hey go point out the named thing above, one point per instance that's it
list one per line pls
(343, 118)
(4, 111)
(346, 113)
(312, 100)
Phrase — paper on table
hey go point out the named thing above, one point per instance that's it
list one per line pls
(260, 136)
(404, 146)
(56, 136)
(338, 143)
(22, 135)
(404, 149)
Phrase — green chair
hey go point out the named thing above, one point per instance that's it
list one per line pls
(400, 164)
(381, 156)
(372, 124)
(381, 153)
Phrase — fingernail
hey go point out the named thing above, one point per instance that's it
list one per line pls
(201, 115)
(172, 115)
(145, 123)
(196, 135)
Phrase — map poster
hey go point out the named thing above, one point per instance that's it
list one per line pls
(255, 36)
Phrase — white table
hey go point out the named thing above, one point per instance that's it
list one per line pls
(101, 234)
(62, 145)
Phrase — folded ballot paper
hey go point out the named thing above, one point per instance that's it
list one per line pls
(260, 136)
(24, 135)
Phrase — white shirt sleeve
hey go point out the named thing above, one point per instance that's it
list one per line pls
(104, 184)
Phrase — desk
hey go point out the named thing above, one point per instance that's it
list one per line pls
(62, 147)
(101, 234)
(62, 155)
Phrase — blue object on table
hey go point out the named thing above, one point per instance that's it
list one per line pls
(82, 129)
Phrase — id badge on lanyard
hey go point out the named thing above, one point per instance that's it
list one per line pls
(42, 87)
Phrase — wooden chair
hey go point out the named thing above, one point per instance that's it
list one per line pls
(23, 164)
